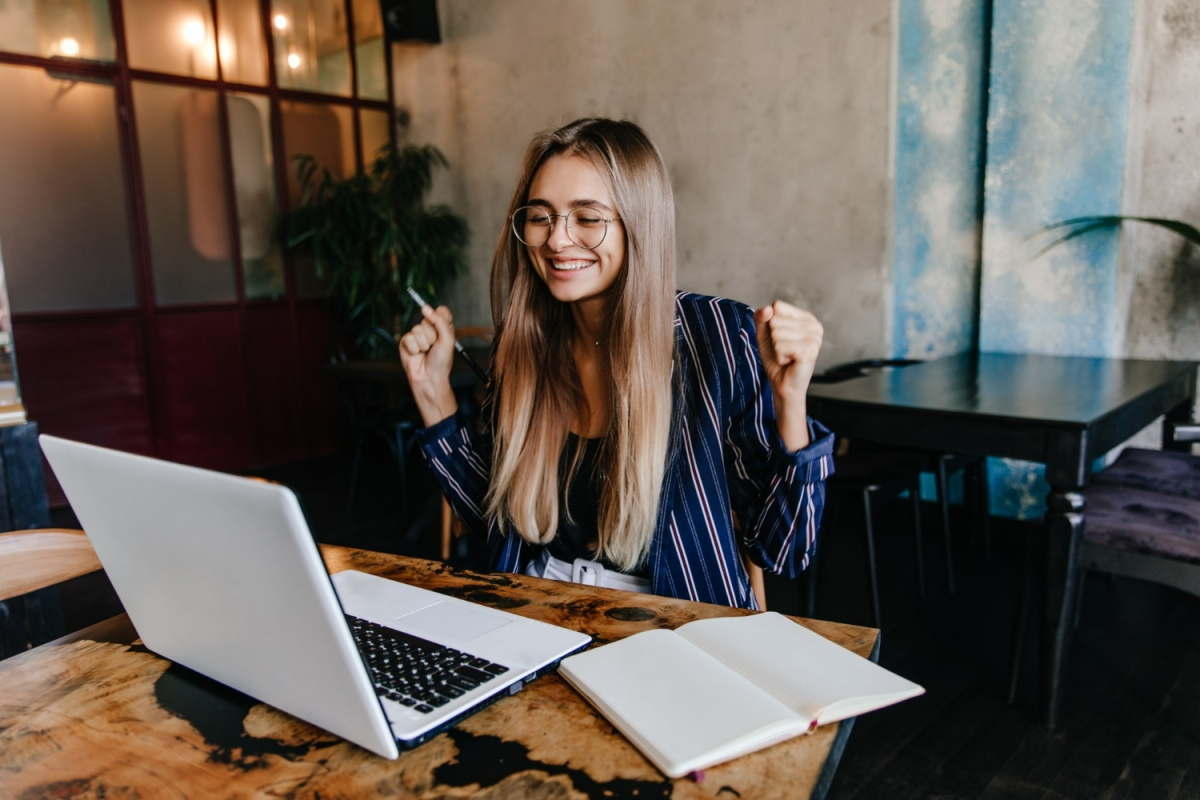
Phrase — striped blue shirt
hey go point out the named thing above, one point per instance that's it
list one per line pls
(725, 457)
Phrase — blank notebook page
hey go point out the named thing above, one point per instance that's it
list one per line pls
(803, 670)
(674, 702)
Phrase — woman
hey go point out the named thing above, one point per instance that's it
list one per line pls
(626, 424)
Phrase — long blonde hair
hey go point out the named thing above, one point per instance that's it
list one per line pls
(537, 388)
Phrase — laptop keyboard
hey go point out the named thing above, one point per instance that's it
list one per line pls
(415, 672)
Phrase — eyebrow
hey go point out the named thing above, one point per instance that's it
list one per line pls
(537, 201)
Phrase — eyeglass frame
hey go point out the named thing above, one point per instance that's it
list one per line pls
(554, 223)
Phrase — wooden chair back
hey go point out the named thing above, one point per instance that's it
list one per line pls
(485, 333)
(35, 559)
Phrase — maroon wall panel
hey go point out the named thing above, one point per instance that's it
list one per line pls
(85, 379)
(323, 416)
(203, 388)
(276, 422)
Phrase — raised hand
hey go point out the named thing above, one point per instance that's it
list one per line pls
(427, 354)
(789, 340)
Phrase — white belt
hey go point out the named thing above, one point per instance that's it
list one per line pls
(588, 573)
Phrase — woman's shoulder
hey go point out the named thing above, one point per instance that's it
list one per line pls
(708, 312)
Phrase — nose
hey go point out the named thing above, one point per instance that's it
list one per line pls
(558, 239)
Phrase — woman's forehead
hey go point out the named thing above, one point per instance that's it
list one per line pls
(568, 181)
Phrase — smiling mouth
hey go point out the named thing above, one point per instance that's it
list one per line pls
(570, 266)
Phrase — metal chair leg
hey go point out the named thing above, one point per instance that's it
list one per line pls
(871, 557)
(918, 534)
(944, 497)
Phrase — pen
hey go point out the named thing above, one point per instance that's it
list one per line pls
(462, 351)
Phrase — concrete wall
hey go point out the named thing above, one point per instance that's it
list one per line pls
(1159, 302)
(772, 116)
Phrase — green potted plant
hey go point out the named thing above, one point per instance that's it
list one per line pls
(371, 236)
(1070, 228)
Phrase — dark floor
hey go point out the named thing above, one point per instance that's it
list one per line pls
(1132, 716)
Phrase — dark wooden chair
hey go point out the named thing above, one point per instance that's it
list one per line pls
(1141, 520)
(870, 473)
(865, 478)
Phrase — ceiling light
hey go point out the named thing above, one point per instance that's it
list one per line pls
(280, 22)
(69, 47)
(293, 60)
(193, 32)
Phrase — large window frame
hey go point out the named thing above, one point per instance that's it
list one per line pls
(148, 309)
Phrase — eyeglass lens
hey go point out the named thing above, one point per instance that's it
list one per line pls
(586, 227)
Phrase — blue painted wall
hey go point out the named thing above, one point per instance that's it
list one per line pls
(1057, 118)
(938, 174)
(1059, 74)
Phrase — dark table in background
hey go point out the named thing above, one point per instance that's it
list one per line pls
(1061, 411)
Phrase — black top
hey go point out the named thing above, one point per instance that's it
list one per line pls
(577, 536)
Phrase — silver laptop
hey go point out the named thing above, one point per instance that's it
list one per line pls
(221, 574)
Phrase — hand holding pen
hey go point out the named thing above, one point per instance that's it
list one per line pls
(427, 354)
(462, 351)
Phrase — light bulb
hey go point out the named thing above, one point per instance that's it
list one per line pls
(280, 22)
(69, 47)
(293, 60)
(193, 32)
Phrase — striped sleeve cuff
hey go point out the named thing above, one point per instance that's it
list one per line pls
(816, 460)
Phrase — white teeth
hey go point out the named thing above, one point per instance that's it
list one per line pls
(569, 266)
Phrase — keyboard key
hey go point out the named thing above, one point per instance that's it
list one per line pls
(416, 672)
(477, 675)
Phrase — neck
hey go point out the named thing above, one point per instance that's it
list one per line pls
(589, 319)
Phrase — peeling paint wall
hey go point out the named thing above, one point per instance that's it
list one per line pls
(938, 183)
(1056, 150)
(1057, 125)
(772, 115)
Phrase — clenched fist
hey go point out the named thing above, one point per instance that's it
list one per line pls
(427, 355)
(789, 340)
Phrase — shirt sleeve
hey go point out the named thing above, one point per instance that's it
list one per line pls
(460, 459)
(778, 496)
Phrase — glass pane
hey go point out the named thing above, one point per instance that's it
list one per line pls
(311, 45)
(240, 42)
(171, 36)
(375, 133)
(254, 186)
(60, 172)
(325, 132)
(70, 28)
(179, 137)
(368, 50)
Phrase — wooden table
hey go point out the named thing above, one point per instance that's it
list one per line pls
(97, 715)
(1063, 412)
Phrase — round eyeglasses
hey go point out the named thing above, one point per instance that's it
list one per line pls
(586, 226)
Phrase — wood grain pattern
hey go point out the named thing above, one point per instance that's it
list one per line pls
(98, 715)
(32, 560)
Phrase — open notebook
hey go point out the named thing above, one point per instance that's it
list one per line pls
(716, 689)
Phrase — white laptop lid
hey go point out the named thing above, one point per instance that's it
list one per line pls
(221, 574)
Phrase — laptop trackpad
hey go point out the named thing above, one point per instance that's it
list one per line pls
(451, 621)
